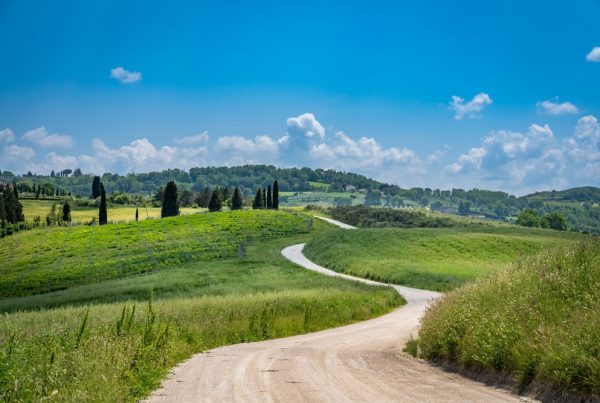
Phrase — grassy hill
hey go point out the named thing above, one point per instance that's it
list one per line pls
(431, 258)
(536, 323)
(57, 345)
(59, 257)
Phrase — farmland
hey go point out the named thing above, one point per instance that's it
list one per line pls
(61, 352)
(438, 259)
(79, 214)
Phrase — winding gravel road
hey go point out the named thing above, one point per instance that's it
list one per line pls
(360, 362)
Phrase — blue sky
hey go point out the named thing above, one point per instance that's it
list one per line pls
(433, 94)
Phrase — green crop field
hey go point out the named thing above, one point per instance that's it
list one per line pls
(431, 258)
(52, 348)
(538, 322)
(41, 208)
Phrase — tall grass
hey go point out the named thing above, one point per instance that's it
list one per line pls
(120, 352)
(538, 321)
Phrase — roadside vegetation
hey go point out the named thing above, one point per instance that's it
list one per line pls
(437, 259)
(536, 322)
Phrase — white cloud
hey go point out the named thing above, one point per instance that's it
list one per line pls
(18, 154)
(42, 138)
(7, 136)
(189, 140)
(588, 129)
(245, 145)
(364, 152)
(125, 76)
(470, 109)
(557, 108)
(594, 55)
(305, 125)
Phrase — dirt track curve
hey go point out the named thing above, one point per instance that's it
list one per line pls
(360, 362)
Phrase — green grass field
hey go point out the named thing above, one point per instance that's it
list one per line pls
(538, 322)
(51, 350)
(55, 258)
(41, 208)
(430, 258)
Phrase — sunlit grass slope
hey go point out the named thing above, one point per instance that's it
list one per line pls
(538, 321)
(47, 259)
(430, 258)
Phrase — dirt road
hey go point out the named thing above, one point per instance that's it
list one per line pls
(360, 362)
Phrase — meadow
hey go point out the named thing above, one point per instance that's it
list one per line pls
(81, 214)
(438, 259)
(57, 346)
(55, 258)
(536, 324)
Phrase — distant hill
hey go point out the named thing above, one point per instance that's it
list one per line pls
(581, 194)
(302, 186)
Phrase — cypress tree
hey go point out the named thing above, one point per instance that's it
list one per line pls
(264, 199)
(9, 205)
(2, 209)
(236, 200)
(137, 215)
(170, 205)
(269, 198)
(96, 187)
(215, 202)
(275, 195)
(257, 203)
(102, 214)
(66, 212)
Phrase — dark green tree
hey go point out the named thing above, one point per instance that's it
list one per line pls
(137, 214)
(264, 198)
(237, 201)
(257, 203)
(170, 205)
(203, 197)
(102, 213)
(269, 197)
(66, 212)
(528, 218)
(215, 202)
(555, 221)
(275, 195)
(96, 187)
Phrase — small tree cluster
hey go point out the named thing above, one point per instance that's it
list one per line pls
(529, 218)
(267, 198)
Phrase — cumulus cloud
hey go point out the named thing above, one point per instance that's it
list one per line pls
(189, 140)
(557, 108)
(18, 154)
(364, 152)
(532, 160)
(7, 135)
(469, 109)
(244, 145)
(125, 76)
(305, 125)
(42, 138)
(594, 55)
